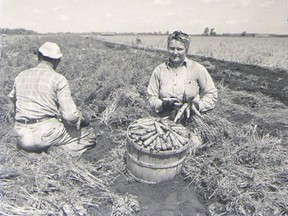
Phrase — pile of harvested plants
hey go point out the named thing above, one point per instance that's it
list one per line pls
(158, 134)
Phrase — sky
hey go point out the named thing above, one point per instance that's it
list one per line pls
(191, 16)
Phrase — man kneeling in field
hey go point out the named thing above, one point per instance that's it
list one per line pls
(45, 113)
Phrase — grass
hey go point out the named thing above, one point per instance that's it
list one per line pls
(240, 174)
(49, 184)
(240, 170)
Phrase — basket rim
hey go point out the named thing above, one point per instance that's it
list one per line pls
(166, 152)
(145, 150)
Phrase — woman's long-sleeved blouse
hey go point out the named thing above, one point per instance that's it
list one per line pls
(191, 80)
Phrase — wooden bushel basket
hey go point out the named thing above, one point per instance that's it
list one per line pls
(151, 166)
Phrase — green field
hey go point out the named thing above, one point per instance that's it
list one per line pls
(240, 170)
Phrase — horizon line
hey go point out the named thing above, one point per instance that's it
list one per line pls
(137, 32)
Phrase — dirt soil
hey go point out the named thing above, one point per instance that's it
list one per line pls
(271, 82)
(253, 79)
(168, 198)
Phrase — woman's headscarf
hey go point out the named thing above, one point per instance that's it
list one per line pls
(180, 36)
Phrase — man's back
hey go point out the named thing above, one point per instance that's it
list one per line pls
(46, 114)
(36, 92)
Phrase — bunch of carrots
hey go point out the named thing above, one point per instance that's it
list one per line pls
(158, 134)
(185, 107)
(185, 111)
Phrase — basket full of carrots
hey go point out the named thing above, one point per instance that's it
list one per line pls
(156, 134)
(156, 149)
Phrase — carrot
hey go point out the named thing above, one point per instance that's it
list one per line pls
(178, 127)
(147, 136)
(148, 141)
(146, 122)
(188, 111)
(168, 141)
(175, 142)
(180, 112)
(163, 143)
(134, 137)
(140, 127)
(152, 146)
(195, 110)
(180, 130)
(134, 126)
(140, 143)
(159, 129)
(158, 143)
(180, 138)
(163, 125)
(140, 132)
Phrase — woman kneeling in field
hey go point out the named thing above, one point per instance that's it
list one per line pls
(180, 85)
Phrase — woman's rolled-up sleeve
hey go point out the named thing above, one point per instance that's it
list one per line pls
(209, 93)
(153, 91)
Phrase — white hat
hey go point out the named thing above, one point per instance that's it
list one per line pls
(50, 50)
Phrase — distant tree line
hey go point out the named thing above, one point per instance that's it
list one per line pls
(212, 32)
(209, 32)
(17, 31)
